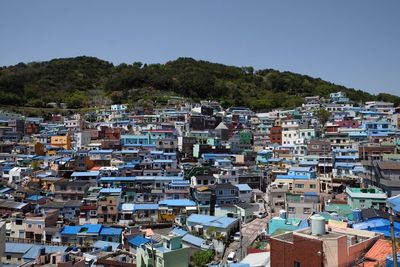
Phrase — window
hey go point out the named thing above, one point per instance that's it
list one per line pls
(296, 264)
(313, 186)
(8, 257)
(306, 210)
(299, 185)
(291, 210)
(220, 192)
(29, 225)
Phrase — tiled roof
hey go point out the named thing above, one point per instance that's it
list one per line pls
(379, 251)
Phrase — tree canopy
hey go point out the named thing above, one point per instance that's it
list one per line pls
(72, 81)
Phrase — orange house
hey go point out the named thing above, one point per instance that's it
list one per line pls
(63, 141)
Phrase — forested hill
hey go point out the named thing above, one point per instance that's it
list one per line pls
(78, 81)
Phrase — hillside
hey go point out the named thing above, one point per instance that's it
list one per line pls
(81, 81)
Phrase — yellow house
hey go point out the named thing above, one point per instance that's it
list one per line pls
(63, 141)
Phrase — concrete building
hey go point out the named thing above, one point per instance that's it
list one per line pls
(170, 252)
(321, 246)
(365, 198)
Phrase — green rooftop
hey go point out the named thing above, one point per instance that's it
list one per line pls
(366, 190)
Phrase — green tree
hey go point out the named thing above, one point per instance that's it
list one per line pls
(323, 115)
(201, 258)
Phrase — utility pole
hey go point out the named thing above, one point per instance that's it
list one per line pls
(241, 238)
(393, 239)
(152, 254)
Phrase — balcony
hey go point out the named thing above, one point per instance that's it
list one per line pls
(177, 191)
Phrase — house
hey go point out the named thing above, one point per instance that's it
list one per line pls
(244, 192)
(107, 206)
(383, 174)
(275, 135)
(226, 194)
(17, 174)
(169, 252)
(36, 224)
(282, 223)
(65, 190)
(20, 253)
(61, 141)
(88, 234)
(205, 199)
(321, 246)
(170, 208)
(7, 207)
(339, 97)
(244, 211)
(300, 180)
(89, 176)
(224, 226)
(277, 196)
(302, 206)
(364, 198)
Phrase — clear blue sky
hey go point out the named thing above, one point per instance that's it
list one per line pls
(354, 43)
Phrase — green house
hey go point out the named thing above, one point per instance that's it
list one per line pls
(170, 252)
(365, 198)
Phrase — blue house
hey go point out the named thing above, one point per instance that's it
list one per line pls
(377, 128)
(339, 97)
(345, 155)
(226, 194)
(136, 139)
(307, 173)
(90, 233)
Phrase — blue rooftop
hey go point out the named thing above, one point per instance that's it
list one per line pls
(33, 253)
(101, 151)
(294, 177)
(91, 228)
(110, 190)
(177, 202)
(34, 198)
(137, 241)
(19, 248)
(243, 187)
(70, 230)
(178, 231)
(111, 231)
(220, 222)
(394, 203)
(145, 206)
(193, 240)
(85, 174)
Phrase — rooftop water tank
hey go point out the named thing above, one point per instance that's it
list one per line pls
(317, 225)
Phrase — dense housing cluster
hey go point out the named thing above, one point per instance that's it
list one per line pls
(194, 184)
